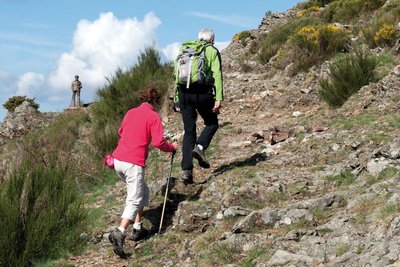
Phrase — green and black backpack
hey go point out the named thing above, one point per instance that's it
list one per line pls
(191, 64)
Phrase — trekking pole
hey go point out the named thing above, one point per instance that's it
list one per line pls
(166, 192)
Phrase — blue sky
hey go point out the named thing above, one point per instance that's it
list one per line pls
(44, 43)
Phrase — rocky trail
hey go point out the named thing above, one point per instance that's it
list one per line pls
(291, 179)
(292, 182)
(277, 183)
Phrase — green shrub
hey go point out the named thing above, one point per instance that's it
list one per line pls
(344, 178)
(222, 252)
(387, 173)
(392, 8)
(121, 94)
(58, 139)
(347, 75)
(41, 214)
(62, 134)
(65, 139)
(244, 66)
(349, 10)
(394, 121)
(255, 45)
(15, 101)
(318, 3)
(385, 66)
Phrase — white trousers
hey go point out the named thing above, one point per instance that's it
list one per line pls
(137, 190)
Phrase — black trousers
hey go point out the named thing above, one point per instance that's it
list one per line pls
(193, 102)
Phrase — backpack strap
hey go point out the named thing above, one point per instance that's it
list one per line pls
(190, 72)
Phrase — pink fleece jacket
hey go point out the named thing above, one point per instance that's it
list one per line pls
(139, 127)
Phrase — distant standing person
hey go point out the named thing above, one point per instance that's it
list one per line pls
(204, 98)
(76, 92)
(140, 127)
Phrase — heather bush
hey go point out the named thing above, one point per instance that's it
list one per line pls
(58, 139)
(347, 75)
(42, 214)
(349, 10)
(315, 3)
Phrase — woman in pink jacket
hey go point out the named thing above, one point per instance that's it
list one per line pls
(140, 127)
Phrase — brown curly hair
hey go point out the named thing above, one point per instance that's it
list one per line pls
(150, 94)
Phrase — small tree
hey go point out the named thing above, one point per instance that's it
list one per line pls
(15, 101)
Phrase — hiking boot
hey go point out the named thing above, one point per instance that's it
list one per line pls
(187, 177)
(199, 155)
(139, 234)
(117, 238)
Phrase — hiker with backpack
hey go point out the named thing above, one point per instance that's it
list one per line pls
(199, 90)
(140, 127)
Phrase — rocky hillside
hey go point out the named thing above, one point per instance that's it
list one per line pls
(23, 120)
(293, 182)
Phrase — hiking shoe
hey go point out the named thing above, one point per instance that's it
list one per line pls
(199, 155)
(139, 234)
(117, 239)
(187, 177)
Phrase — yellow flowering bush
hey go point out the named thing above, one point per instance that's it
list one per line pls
(309, 34)
(386, 34)
(332, 38)
(312, 44)
(332, 28)
(308, 11)
(321, 38)
(241, 36)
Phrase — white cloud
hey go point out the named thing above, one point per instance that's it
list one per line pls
(171, 51)
(6, 88)
(226, 19)
(28, 83)
(221, 45)
(99, 48)
(28, 39)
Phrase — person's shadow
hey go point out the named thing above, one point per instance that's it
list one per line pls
(252, 161)
(177, 193)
